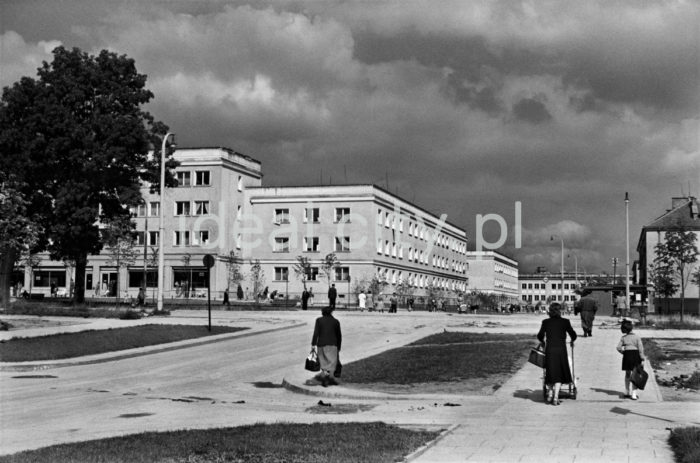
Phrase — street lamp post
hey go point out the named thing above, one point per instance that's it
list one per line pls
(161, 226)
(561, 287)
(627, 250)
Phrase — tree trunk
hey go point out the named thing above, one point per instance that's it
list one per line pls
(80, 266)
(7, 263)
(682, 298)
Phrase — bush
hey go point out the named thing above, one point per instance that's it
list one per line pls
(130, 315)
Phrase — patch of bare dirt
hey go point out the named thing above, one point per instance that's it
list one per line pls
(673, 375)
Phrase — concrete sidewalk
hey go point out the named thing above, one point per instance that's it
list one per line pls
(516, 425)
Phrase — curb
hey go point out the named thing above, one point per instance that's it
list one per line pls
(421, 450)
(25, 366)
(346, 393)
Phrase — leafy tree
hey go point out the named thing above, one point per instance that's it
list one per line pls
(234, 275)
(77, 140)
(660, 276)
(18, 234)
(678, 253)
(257, 278)
(302, 269)
(328, 266)
(119, 239)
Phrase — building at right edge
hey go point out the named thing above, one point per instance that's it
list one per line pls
(683, 216)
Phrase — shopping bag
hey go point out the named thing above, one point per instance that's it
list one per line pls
(312, 363)
(639, 377)
(536, 356)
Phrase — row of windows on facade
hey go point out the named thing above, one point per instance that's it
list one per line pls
(552, 298)
(510, 271)
(57, 277)
(505, 284)
(180, 238)
(201, 178)
(415, 255)
(342, 215)
(544, 286)
(418, 280)
(339, 274)
(179, 208)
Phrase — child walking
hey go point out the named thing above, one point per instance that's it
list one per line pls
(632, 350)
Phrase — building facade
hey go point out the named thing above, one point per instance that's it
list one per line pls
(199, 217)
(684, 215)
(545, 288)
(372, 232)
(493, 273)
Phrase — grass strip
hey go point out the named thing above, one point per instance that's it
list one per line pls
(685, 443)
(283, 442)
(445, 357)
(90, 342)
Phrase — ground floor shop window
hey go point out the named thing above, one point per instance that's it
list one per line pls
(49, 278)
(187, 280)
(136, 278)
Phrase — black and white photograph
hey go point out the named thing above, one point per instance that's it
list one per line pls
(349, 231)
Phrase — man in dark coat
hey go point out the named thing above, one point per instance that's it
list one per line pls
(587, 307)
(305, 299)
(332, 295)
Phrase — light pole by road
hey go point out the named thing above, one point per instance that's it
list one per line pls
(575, 268)
(562, 265)
(161, 226)
(627, 250)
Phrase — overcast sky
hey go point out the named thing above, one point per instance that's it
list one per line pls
(462, 107)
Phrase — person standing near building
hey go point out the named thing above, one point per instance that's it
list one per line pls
(370, 301)
(362, 300)
(393, 304)
(332, 295)
(587, 306)
(304, 299)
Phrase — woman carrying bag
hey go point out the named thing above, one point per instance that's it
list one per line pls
(327, 339)
(554, 331)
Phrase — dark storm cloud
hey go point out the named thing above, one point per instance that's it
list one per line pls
(462, 107)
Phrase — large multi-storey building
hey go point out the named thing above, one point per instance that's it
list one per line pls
(493, 273)
(372, 232)
(199, 215)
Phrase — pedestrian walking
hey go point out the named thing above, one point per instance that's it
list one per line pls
(632, 350)
(370, 301)
(332, 295)
(587, 306)
(226, 302)
(327, 339)
(409, 304)
(362, 300)
(239, 292)
(553, 335)
(304, 299)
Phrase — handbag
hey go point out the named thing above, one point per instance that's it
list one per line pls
(536, 356)
(312, 363)
(639, 377)
(338, 369)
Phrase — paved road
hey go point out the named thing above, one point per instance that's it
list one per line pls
(238, 381)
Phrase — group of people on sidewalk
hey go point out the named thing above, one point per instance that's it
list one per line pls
(553, 333)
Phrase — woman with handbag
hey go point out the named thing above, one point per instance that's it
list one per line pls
(553, 334)
(327, 338)
(632, 350)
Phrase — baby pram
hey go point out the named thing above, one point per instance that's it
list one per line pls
(569, 389)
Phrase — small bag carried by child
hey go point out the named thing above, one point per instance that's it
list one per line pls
(639, 377)
(312, 363)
